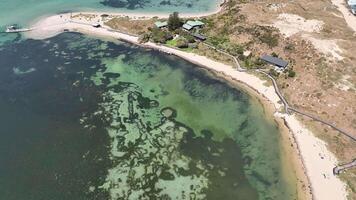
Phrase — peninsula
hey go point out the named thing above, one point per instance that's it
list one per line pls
(294, 58)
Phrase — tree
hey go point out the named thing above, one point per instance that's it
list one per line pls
(174, 22)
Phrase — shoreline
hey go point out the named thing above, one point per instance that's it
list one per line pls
(149, 15)
(314, 159)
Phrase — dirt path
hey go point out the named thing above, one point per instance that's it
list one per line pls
(348, 16)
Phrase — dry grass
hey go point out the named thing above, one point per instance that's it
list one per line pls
(126, 24)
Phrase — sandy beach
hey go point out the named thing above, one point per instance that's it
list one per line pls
(348, 16)
(317, 159)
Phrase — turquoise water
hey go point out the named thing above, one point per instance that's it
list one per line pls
(88, 119)
(24, 11)
(83, 118)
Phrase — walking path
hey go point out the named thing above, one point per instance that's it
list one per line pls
(346, 166)
(285, 103)
(238, 66)
(287, 107)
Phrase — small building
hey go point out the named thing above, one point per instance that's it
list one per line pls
(246, 53)
(199, 37)
(161, 24)
(189, 25)
(96, 25)
(274, 61)
(352, 4)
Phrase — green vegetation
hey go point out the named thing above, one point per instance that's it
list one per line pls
(172, 43)
(144, 38)
(291, 73)
(174, 22)
(274, 54)
(182, 42)
(160, 36)
(273, 73)
(264, 34)
(289, 47)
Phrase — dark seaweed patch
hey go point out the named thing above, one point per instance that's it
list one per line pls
(129, 4)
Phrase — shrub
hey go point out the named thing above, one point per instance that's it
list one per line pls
(270, 39)
(291, 73)
(218, 41)
(144, 38)
(259, 63)
(273, 73)
(160, 36)
(182, 42)
(274, 54)
(189, 38)
(289, 47)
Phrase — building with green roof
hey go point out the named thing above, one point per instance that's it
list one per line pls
(189, 25)
(161, 24)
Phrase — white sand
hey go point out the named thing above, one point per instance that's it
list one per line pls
(318, 162)
(348, 16)
(311, 148)
(290, 24)
(327, 47)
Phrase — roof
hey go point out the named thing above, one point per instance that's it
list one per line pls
(275, 61)
(161, 24)
(198, 36)
(187, 26)
(194, 23)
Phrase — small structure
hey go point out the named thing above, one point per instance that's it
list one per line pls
(189, 25)
(96, 25)
(14, 29)
(353, 9)
(346, 166)
(247, 53)
(352, 4)
(161, 24)
(199, 37)
(275, 61)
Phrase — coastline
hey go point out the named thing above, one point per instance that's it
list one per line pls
(309, 150)
(149, 15)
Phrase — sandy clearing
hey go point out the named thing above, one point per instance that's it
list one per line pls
(290, 24)
(328, 47)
